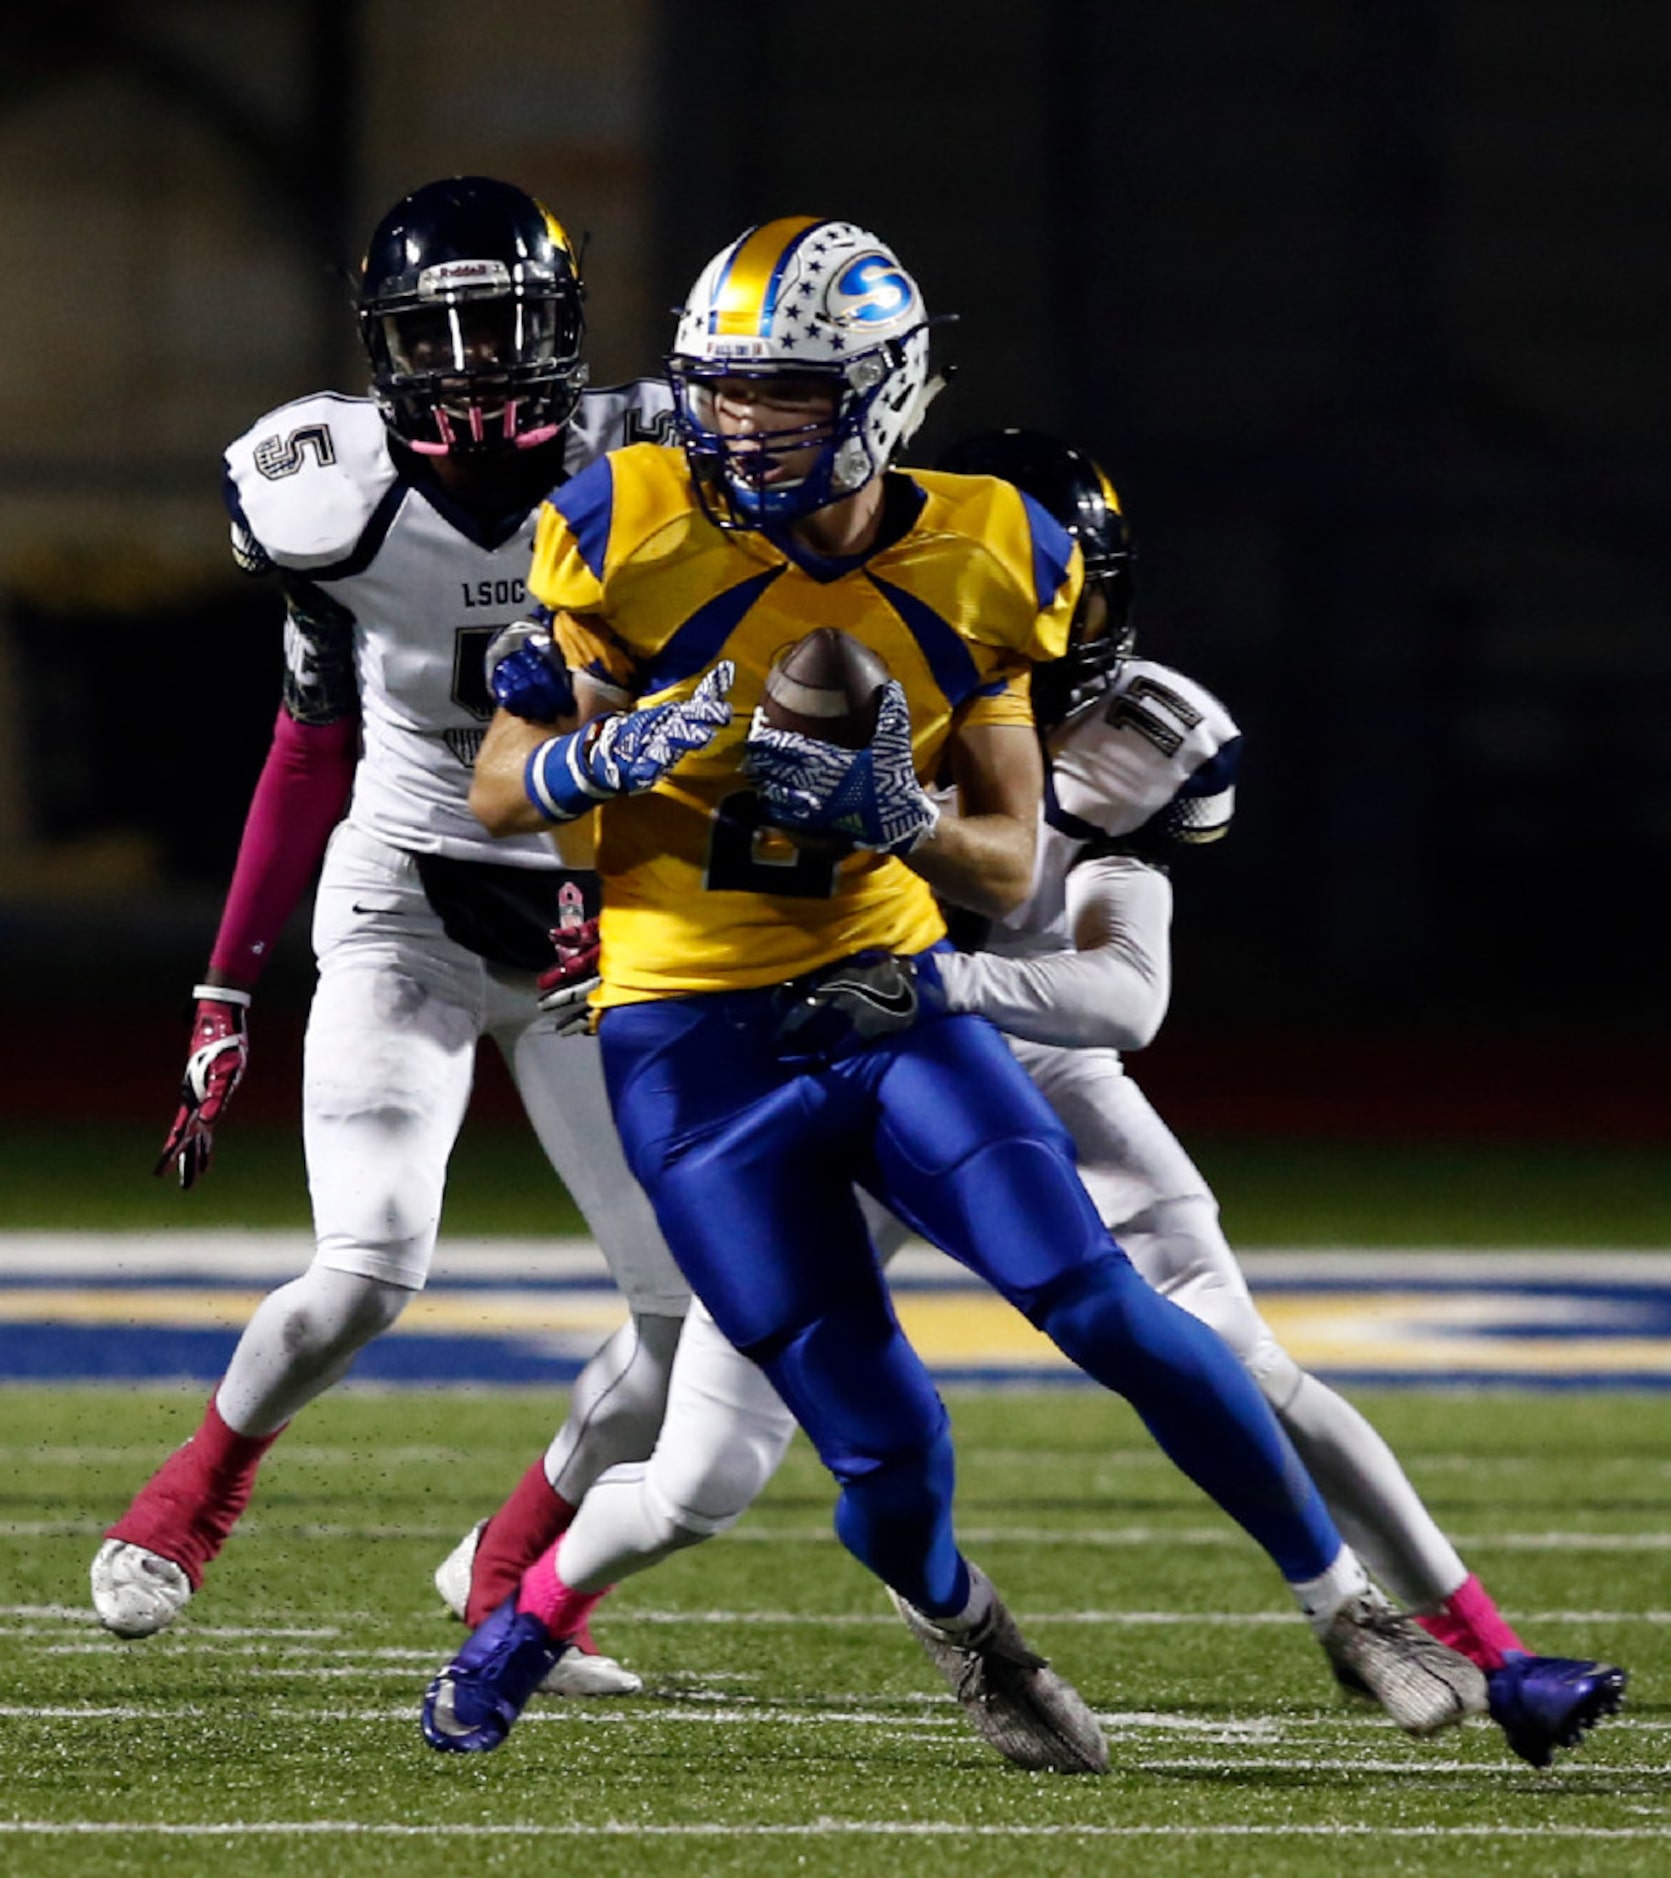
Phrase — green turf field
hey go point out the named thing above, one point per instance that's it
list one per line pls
(791, 1724)
(1288, 1193)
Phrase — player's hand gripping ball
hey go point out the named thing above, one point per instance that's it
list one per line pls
(827, 685)
(829, 749)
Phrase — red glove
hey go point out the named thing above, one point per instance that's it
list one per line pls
(566, 986)
(219, 1054)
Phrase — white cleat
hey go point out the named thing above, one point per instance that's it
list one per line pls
(452, 1575)
(1423, 1685)
(576, 1671)
(581, 1672)
(1015, 1701)
(137, 1592)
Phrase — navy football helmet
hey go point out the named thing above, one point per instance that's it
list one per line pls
(470, 311)
(1069, 485)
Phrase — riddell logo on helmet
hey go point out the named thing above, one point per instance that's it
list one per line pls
(445, 276)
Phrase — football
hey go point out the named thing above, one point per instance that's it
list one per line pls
(827, 685)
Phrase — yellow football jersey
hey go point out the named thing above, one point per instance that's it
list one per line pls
(649, 594)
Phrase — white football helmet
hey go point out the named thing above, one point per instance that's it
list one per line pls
(804, 299)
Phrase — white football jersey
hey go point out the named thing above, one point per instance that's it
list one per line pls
(1155, 752)
(314, 490)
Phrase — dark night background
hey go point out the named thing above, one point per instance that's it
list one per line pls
(1365, 308)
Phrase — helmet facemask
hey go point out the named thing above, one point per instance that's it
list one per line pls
(804, 305)
(734, 470)
(477, 369)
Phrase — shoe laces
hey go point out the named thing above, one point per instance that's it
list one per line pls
(984, 1648)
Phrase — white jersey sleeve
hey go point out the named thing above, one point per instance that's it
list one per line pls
(1110, 987)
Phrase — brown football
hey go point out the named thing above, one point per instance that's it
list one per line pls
(827, 685)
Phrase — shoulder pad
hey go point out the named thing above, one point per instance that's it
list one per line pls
(615, 416)
(1028, 557)
(304, 481)
(610, 509)
(1156, 744)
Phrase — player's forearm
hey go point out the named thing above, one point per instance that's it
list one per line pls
(499, 798)
(1112, 991)
(298, 799)
(983, 862)
(1071, 998)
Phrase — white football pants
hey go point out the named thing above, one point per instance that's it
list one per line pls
(389, 1062)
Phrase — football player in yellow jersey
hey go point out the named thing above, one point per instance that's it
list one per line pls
(770, 1022)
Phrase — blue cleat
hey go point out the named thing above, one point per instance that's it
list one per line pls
(474, 1702)
(1542, 1703)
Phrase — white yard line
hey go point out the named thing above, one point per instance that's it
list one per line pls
(811, 1829)
(1116, 1538)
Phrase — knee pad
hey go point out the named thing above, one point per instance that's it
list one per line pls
(700, 1490)
(1279, 1377)
(1013, 1209)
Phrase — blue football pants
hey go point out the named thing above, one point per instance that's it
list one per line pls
(750, 1162)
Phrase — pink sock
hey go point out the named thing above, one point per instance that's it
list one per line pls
(562, 1610)
(529, 1523)
(188, 1507)
(1472, 1624)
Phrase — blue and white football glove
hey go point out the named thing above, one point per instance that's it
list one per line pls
(868, 798)
(526, 674)
(625, 752)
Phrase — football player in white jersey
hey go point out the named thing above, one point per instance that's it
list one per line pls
(399, 526)
(1142, 766)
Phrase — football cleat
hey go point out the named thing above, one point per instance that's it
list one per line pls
(137, 1592)
(580, 1670)
(452, 1575)
(473, 1704)
(1542, 1703)
(1013, 1698)
(1423, 1685)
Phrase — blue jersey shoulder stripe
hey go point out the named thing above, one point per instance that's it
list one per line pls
(700, 640)
(1218, 773)
(1052, 550)
(587, 503)
(949, 659)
